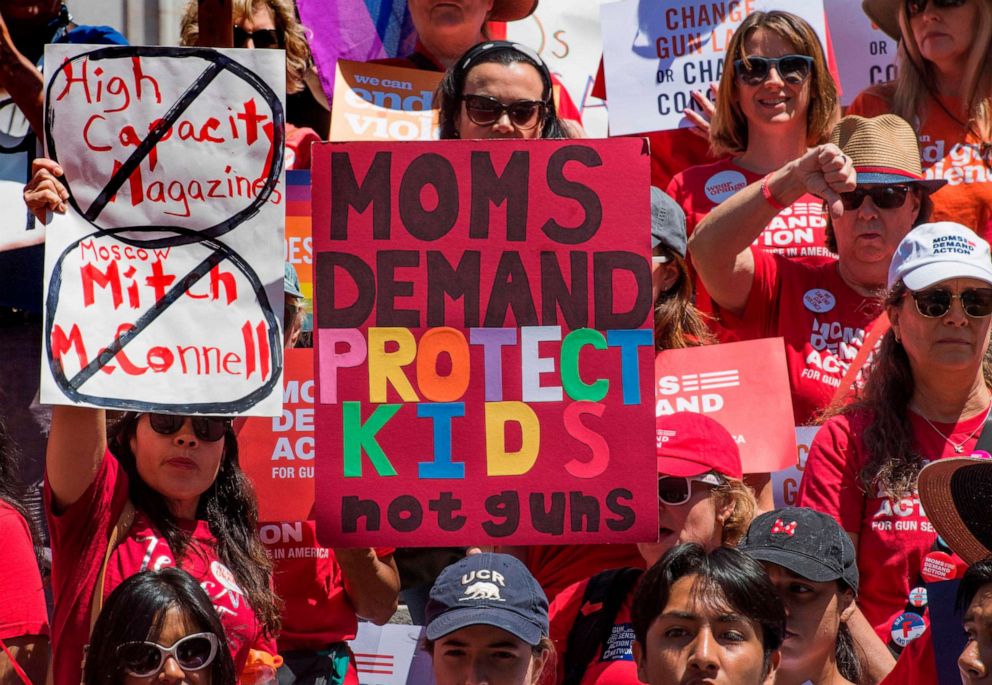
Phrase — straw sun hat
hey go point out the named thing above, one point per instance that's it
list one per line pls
(885, 13)
(883, 149)
(511, 10)
(956, 494)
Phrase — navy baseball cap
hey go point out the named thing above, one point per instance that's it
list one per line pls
(488, 589)
(806, 542)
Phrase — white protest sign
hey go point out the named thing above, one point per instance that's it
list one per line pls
(17, 145)
(785, 483)
(384, 654)
(164, 280)
(657, 53)
(865, 54)
(567, 36)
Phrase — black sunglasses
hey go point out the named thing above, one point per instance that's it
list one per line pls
(484, 110)
(884, 197)
(260, 38)
(192, 653)
(936, 302)
(793, 69)
(206, 428)
(914, 7)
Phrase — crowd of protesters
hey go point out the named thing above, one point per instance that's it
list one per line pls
(150, 567)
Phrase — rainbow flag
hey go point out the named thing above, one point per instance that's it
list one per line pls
(359, 30)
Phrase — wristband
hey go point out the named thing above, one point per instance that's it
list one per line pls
(766, 192)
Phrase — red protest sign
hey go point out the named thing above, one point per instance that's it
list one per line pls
(278, 453)
(483, 342)
(742, 385)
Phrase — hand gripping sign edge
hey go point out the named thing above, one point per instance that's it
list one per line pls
(218, 63)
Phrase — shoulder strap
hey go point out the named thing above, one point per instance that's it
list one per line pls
(881, 326)
(601, 602)
(117, 534)
(14, 665)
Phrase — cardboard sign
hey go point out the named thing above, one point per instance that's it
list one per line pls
(278, 453)
(164, 279)
(483, 343)
(785, 483)
(567, 36)
(656, 53)
(865, 54)
(379, 102)
(742, 385)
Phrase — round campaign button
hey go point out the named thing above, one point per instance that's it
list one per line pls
(918, 597)
(819, 300)
(907, 627)
(938, 566)
(722, 185)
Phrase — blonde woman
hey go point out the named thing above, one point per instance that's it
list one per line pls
(944, 89)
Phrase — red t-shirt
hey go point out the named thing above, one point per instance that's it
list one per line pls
(79, 538)
(22, 611)
(798, 232)
(824, 323)
(917, 664)
(424, 60)
(894, 536)
(948, 151)
(298, 143)
(557, 566)
(309, 580)
(613, 663)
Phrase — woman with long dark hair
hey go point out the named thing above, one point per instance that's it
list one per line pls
(154, 490)
(23, 616)
(927, 397)
(811, 562)
(158, 626)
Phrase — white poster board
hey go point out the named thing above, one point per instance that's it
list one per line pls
(17, 145)
(391, 655)
(164, 280)
(785, 483)
(657, 53)
(567, 36)
(865, 54)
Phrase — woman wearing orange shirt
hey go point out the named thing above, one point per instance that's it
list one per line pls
(944, 89)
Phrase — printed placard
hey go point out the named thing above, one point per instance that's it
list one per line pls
(380, 102)
(278, 453)
(656, 53)
(483, 343)
(865, 54)
(299, 241)
(164, 279)
(785, 483)
(744, 386)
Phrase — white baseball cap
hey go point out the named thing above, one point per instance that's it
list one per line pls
(935, 252)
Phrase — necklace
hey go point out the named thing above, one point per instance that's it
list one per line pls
(959, 448)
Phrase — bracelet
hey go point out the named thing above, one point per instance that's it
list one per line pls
(766, 192)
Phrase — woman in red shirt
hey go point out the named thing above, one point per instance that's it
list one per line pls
(927, 397)
(23, 616)
(776, 98)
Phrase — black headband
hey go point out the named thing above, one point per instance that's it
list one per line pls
(474, 53)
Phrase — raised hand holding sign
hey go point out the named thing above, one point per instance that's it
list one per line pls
(164, 278)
